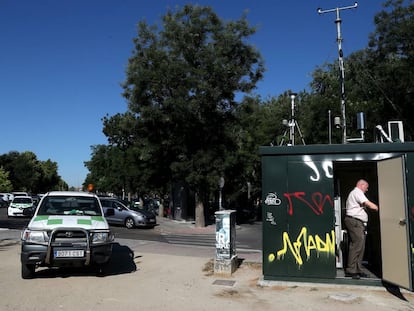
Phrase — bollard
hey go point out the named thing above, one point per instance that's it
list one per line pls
(225, 261)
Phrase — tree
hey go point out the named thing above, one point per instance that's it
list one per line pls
(127, 136)
(103, 170)
(27, 173)
(391, 52)
(378, 80)
(5, 183)
(184, 125)
(315, 107)
(254, 127)
(23, 169)
(180, 87)
(49, 178)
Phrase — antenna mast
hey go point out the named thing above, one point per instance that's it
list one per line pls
(341, 61)
(292, 124)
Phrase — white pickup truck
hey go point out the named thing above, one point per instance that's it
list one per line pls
(66, 229)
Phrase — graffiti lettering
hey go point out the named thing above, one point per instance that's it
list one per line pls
(317, 204)
(308, 242)
(326, 166)
(312, 165)
(222, 240)
(270, 218)
(272, 199)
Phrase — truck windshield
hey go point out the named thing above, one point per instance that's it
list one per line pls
(69, 205)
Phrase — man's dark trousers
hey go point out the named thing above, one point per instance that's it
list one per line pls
(356, 233)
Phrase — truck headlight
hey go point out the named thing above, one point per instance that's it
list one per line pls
(102, 237)
(35, 236)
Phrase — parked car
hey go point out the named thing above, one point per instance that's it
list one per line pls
(122, 215)
(18, 205)
(3, 203)
(5, 196)
(5, 199)
(68, 228)
(20, 194)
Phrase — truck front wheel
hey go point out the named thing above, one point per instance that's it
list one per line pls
(28, 271)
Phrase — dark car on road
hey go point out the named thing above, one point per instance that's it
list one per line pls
(122, 215)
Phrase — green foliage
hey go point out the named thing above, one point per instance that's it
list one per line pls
(180, 86)
(5, 183)
(378, 80)
(26, 173)
(184, 124)
(391, 61)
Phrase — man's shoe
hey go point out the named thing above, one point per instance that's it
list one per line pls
(354, 276)
(363, 275)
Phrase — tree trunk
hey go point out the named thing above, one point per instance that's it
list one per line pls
(199, 213)
(161, 209)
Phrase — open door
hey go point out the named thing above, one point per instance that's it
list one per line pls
(395, 246)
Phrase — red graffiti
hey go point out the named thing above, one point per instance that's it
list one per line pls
(412, 213)
(317, 198)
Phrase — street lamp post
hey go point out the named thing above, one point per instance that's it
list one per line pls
(221, 185)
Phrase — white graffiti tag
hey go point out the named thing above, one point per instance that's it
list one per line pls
(270, 218)
(272, 199)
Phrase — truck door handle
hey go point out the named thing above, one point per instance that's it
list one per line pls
(402, 222)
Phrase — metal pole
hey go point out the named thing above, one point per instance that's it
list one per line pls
(220, 201)
(221, 185)
(341, 62)
(329, 126)
(292, 120)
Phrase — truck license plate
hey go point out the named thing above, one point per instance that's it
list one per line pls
(69, 253)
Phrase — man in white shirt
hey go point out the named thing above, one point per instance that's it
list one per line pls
(355, 221)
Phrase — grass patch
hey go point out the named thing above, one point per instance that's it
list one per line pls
(208, 268)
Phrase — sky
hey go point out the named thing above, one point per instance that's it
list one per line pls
(62, 62)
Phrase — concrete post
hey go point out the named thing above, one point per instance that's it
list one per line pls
(225, 261)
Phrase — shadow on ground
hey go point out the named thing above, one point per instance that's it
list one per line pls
(122, 262)
(394, 290)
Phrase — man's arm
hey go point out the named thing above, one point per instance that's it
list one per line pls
(371, 205)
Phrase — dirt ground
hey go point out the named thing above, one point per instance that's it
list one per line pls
(142, 280)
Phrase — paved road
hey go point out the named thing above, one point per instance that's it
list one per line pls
(248, 236)
(153, 275)
(149, 275)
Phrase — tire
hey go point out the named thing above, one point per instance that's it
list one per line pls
(129, 223)
(102, 270)
(28, 271)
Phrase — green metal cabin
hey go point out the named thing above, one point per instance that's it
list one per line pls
(304, 192)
